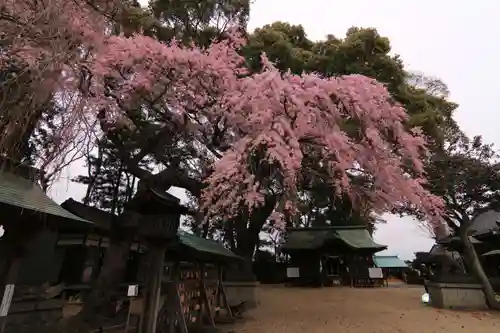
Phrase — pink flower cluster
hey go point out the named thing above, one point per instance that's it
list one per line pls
(277, 114)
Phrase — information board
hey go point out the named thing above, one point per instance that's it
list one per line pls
(375, 273)
(292, 272)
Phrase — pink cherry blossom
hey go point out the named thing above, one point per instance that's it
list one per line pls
(277, 115)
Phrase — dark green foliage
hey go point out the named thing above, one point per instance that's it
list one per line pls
(467, 177)
(109, 185)
(362, 51)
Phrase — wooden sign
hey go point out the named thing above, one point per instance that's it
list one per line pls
(133, 290)
(375, 273)
(292, 272)
(7, 300)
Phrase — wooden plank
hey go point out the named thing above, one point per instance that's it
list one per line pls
(221, 292)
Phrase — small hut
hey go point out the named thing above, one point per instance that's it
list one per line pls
(331, 255)
(83, 252)
(150, 221)
(190, 287)
(490, 258)
(31, 220)
(194, 281)
(29, 217)
(391, 266)
(485, 232)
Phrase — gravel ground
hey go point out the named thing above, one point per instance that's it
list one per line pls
(346, 310)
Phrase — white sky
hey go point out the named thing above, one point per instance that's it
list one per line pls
(456, 41)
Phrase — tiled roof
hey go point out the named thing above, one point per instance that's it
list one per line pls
(20, 192)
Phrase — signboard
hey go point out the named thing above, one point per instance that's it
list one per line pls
(375, 273)
(292, 272)
(133, 290)
(7, 299)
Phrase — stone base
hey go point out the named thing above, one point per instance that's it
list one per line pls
(456, 295)
(241, 291)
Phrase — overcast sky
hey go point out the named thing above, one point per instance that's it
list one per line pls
(456, 41)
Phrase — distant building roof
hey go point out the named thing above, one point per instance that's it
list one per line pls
(389, 262)
(486, 221)
(356, 237)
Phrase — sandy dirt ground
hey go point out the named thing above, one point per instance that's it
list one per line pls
(346, 310)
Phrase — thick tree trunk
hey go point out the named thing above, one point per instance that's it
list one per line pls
(244, 271)
(96, 304)
(247, 234)
(477, 269)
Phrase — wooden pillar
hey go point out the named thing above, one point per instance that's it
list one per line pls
(349, 268)
(153, 288)
(205, 307)
(221, 295)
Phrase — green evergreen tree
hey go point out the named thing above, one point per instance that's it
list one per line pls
(109, 185)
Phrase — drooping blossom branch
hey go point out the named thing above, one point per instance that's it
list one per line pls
(269, 119)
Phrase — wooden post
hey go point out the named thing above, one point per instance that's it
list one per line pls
(128, 316)
(204, 298)
(348, 264)
(152, 297)
(221, 294)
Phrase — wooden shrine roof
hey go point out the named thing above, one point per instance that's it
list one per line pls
(150, 200)
(100, 218)
(18, 192)
(192, 247)
(186, 246)
(355, 237)
(488, 236)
